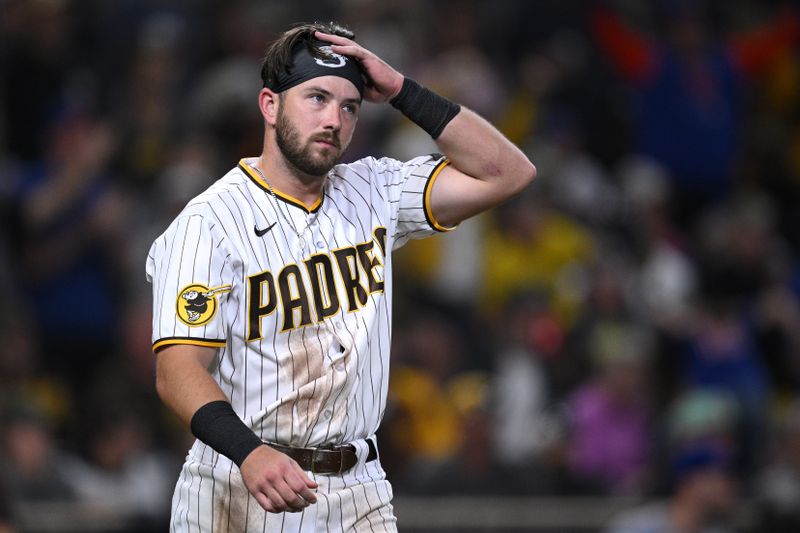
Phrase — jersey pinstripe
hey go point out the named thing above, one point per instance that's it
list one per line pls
(296, 298)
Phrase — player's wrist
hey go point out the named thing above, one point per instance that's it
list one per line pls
(218, 425)
(397, 86)
(428, 110)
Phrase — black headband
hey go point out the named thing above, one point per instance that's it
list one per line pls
(306, 66)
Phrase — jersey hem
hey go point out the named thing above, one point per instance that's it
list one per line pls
(169, 341)
(432, 222)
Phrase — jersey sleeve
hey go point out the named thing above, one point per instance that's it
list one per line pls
(192, 281)
(409, 187)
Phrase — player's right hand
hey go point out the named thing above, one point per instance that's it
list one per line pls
(277, 482)
(384, 81)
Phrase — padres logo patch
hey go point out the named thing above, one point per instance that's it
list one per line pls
(197, 304)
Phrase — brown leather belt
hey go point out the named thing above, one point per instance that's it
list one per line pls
(326, 459)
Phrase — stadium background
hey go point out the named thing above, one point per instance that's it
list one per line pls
(624, 333)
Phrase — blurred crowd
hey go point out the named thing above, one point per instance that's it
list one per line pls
(628, 326)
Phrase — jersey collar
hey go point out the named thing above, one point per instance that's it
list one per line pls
(255, 178)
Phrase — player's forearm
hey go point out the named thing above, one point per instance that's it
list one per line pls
(183, 381)
(184, 384)
(478, 149)
(473, 146)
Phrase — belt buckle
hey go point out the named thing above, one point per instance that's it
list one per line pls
(317, 457)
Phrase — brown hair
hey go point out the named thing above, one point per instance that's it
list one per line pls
(278, 58)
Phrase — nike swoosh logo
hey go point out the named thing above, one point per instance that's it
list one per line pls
(262, 232)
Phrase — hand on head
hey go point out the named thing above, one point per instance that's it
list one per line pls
(383, 82)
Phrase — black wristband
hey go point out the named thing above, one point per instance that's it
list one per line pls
(220, 427)
(425, 108)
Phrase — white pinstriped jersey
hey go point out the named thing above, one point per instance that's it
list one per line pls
(302, 323)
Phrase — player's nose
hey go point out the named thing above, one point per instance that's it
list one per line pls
(332, 118)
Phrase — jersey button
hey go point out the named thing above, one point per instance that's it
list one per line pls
(320, 244)
(327, 414)
(339, 366)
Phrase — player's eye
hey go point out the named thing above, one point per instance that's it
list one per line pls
(318, 98)
(350, 108)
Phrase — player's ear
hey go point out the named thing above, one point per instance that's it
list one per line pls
(268, 104)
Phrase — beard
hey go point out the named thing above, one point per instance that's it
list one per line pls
(301, 156)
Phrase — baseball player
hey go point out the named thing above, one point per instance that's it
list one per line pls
(272, 291)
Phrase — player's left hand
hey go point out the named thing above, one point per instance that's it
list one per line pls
(383, 82)
(277, 482)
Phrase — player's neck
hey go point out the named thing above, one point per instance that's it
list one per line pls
(286, 179)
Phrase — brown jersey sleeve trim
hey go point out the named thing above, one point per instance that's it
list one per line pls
(427, 195)
(169, 341)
